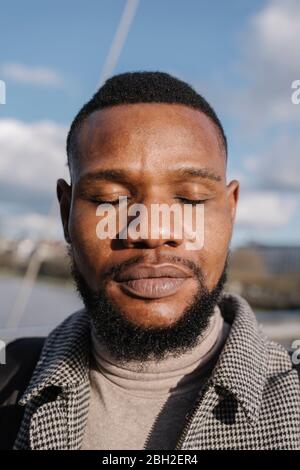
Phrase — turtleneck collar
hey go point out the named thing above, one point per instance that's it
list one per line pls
(172, 374)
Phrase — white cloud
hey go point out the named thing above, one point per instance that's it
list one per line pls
(34, 75)
(270, 63)
(265, 209)
(32, 155)
(32, 158)
(33, 225)
(277, 167)
(277, 31)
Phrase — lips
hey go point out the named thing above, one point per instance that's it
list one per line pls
(152, 282)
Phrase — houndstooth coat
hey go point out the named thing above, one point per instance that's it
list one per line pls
(251, 400)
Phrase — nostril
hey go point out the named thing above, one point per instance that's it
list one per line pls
(172, 243)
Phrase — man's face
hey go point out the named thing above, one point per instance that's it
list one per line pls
(153, 154)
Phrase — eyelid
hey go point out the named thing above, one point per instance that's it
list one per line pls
(191, 200)
(107, 200)
(113, 203)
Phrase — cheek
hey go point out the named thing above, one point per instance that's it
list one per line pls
(89, 251)
(217, 235)
(217, 226)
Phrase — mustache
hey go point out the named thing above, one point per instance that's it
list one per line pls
(118, 269)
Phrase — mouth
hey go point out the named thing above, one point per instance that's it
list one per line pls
(152, 282)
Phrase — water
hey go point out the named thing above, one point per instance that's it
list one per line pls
(50, 303)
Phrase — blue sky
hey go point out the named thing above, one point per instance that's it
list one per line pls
(241, 55)
(196, 39)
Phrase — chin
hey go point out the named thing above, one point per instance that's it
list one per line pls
(150, 314)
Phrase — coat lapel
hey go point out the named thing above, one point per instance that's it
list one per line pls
(57, 397)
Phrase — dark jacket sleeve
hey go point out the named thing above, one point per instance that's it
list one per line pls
(21, 358)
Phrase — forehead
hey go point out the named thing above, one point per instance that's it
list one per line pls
(147, 137)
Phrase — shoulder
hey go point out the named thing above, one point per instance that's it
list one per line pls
(27, 360)
(281, 361)
(23, 354)
(263, 356)
(21, 357)
(281, 394)
(280, 408)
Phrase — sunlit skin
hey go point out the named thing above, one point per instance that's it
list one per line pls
(149, 147)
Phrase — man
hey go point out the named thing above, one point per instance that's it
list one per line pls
(160, 357)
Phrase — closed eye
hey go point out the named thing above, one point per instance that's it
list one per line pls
(193, 202)
(113, 202)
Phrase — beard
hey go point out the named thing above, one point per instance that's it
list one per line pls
(127, 341)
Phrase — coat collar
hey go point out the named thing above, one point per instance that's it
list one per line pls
(240, 371)
(242, 367)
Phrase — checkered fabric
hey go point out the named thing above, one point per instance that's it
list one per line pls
(251, 400)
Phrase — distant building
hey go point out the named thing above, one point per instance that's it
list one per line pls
(280, 259)
(273, 259)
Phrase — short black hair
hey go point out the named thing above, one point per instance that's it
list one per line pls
(143, 87)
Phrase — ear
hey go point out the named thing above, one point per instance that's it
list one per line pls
(233, 190)
(64, 192)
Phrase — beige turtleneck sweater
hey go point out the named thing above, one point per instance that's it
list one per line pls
(135, 406)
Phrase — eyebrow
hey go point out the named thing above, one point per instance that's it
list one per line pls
(105, 175)
(192, 172)
(122, 175)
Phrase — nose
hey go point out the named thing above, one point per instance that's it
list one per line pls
(152, 224)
